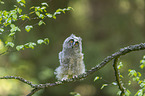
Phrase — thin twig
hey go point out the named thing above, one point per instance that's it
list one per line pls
(121, 52)
(20, 79)
(117, 75)
(7, 50)
(4, 52)
(33, 91)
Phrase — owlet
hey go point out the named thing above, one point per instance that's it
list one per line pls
(70, 58)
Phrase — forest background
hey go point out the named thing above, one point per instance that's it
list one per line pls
(105, 26)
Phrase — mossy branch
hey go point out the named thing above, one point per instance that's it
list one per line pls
(117, 75)
(122, 51)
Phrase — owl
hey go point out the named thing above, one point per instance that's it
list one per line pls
(70, 58)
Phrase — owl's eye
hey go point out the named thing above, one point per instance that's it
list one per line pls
(71, 41)
(77, 43)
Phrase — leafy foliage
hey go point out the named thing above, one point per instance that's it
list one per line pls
(8, 19)
(136, 77)
(31, 44)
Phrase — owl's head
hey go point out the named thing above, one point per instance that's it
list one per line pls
(72, 43)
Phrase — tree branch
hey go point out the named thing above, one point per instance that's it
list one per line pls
(33, 91)
(117, 75)
(20, 79)
(121, 52)
(4, 52)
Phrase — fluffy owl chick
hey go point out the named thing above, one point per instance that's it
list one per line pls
(70, 58)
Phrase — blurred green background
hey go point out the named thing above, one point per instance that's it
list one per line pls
(105, 26)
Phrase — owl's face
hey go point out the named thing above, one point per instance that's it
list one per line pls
(73, 43)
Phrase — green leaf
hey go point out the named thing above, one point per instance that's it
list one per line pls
(20, 47)
(12, 34)
(32, 7)
(129, 82)
(40, 41)
(127, 93)
(121, 76)
(119, 65)
(49, 15)
(37, 13)
(69, 8)
(75, 94)
(30, 45)
(19, 10)
(144, 57)
(119, 92)
(46, 41)
(54, 17)
(8, 21)
(104, 86)
(139, 74)
(142, 66)
(14, 16)
(136, 78)
(1, 29)
(142, 61)
(114, 83)
(21, 2)
(139, 92)
(41, 22)
(2, 2)
(56, 13)
(142, 85)
(14, 28)
(23, 17)
(63, 10)
(40, 15)
(28, 28)
(96, 78)
(132, 73)
(37, 9)
(13, 13)
(11, 44)
(44, 4)
(43, 8)
(59, 10)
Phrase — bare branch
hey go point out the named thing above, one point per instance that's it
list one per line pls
(117, 75)
(4, 52)
(121, 52)
(33, 91)
(20, 79)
